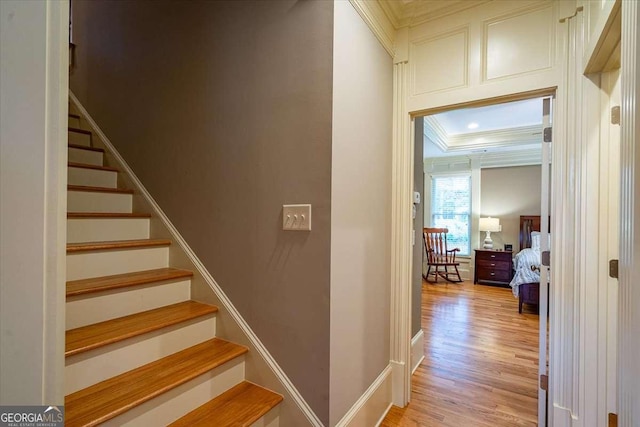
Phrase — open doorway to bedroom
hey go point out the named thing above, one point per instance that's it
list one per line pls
(479, 172)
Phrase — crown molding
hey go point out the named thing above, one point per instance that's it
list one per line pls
(377, 20)
(423, 11)
(502, 138)
(525, 135)
(393, 10)
(409, 13)
(435, 133)
(526, 157)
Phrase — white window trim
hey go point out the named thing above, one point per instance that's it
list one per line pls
(474, 193)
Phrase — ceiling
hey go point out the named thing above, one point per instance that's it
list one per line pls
(502, 127)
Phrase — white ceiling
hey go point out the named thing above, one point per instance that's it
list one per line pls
(507, 127)
(493, 117)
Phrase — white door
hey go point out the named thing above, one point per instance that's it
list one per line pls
(544, 268)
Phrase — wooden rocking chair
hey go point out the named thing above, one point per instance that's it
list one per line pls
(435, 244)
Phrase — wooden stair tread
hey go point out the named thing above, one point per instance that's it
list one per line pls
(100, 334)
(75, 116)
(241, 405)
(98, 189)
(107, 215)
(116, 244)
(78, 130)
(84, 147)
(98, 284)
(89, 166)
(112, 397)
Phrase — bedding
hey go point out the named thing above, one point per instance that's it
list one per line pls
(522, 263)
(535, 240)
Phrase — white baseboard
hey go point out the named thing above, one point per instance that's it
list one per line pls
(373, 405)
(262, 351)
(417, 350)
(398, 387)
(562, 417)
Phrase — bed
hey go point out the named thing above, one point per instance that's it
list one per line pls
(526, 264)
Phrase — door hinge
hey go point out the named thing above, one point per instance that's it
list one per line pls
(615, 115)
(613, 420)
(613, 268)
(547, 133)
(545, 258)
(544, 382)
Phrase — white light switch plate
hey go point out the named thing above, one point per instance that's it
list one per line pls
(296, 217)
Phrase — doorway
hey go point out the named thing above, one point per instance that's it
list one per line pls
(483, 162)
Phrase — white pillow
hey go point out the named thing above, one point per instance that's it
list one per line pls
(535, 241)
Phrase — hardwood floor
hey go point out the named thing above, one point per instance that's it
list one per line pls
(481, 360)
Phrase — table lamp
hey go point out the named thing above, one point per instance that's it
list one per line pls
(489, 224)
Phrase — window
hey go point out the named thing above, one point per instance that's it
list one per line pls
(451, 208)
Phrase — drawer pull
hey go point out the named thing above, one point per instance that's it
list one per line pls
(493, 256)
(493, 265)
(493, 274)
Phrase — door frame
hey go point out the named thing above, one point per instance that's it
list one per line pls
(566, 385)
(401, 313)
(628, 329)
(35, 84)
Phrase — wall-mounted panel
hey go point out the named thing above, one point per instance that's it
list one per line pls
(440, 63)
(518, 43)
(509, 47)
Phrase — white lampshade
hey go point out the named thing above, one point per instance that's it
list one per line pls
(490, 224)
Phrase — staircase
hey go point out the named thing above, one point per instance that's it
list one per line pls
(138, 350)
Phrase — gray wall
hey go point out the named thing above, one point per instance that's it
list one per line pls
(360, 212)
(507, 193)
(418, 225)
(223, 110)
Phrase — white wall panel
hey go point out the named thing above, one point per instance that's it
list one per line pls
(519, 43)
(428, 56)
(491, 50)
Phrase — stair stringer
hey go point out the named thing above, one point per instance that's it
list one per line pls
(260, 366)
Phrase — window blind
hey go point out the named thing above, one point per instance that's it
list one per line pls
(451, 208)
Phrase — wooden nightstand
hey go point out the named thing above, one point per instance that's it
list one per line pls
(493, 267)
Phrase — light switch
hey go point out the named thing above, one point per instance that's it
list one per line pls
(296, 217)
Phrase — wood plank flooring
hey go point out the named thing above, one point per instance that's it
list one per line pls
(481, 360)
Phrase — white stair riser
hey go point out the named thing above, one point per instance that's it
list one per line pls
(270, 419)
(183, 399)
(74, 122)
(88, 201)
(88, 157)
(83, 265)
(106, 229)
(97, 307)
(86, 369)
(92, 177)
(79, 138)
